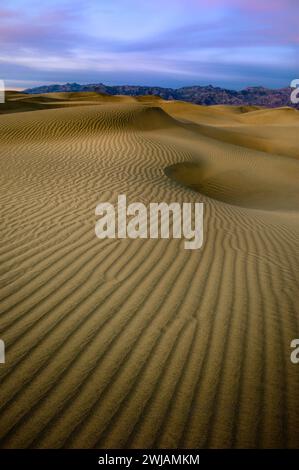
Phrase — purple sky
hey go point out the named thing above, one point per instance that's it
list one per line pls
(231, 43)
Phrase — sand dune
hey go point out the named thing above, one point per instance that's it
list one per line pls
(140, 343)
(281, 140)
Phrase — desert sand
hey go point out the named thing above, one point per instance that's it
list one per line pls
(141, 343)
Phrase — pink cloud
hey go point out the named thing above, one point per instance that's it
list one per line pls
(6, 14)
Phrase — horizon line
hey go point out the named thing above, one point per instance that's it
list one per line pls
(145, 86)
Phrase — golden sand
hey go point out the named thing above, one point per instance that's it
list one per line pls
(140, 343)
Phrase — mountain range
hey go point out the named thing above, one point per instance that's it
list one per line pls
(204, 95)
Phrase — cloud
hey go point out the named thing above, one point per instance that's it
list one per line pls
(249, 5)
(187, 38)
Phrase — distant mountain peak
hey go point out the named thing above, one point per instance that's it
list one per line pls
(204, 95)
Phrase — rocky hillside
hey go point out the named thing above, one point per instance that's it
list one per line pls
(205, 95)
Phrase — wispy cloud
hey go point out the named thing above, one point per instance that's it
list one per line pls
(184, 41)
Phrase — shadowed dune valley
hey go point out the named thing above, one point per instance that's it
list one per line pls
(130, 343)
